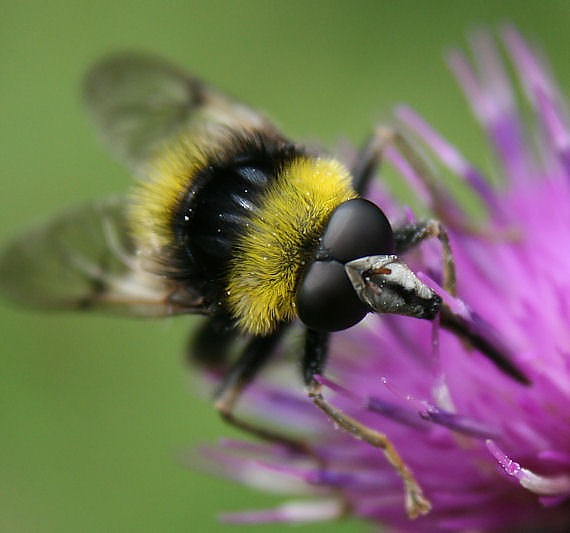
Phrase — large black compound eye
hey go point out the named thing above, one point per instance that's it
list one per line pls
(357, 228)
(326, 300)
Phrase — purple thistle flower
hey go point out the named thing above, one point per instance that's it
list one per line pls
(491, 454)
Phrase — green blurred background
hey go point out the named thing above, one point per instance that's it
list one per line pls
(95, 412)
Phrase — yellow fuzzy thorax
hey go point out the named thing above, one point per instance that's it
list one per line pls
(272, 252)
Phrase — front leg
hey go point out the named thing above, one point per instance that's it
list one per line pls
(411, 235)
(470, 331)
(314, 361)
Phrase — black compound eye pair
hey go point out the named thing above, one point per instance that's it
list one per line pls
(326, 300)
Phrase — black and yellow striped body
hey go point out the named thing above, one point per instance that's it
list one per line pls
(232, 220)
(237, 215)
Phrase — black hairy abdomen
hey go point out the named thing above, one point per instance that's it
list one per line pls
(216, 210)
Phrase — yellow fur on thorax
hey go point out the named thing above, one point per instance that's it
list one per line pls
(272, 252)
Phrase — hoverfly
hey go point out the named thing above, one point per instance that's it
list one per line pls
(232, 220)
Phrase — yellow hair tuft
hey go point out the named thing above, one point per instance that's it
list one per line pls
(154, 200)
(271, 254)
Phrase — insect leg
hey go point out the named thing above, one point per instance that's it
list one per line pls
(316, 345)
(368, 162)
(371, 156)
(254, 356)
(474, 332)
(210, 345)
(409, 236)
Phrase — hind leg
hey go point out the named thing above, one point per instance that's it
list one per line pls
(210, 349)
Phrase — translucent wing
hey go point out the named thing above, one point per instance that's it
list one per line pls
(85, 259)
(139, 102)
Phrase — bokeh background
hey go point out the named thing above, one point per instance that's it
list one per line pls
(96, 412)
